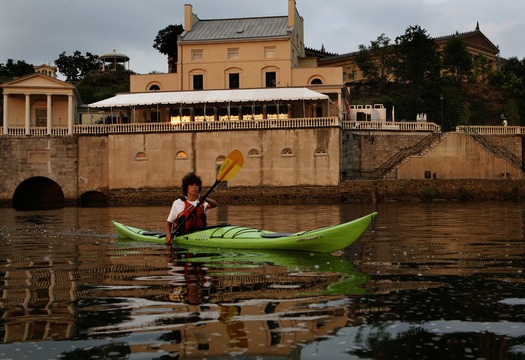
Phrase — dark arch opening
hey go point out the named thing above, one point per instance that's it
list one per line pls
(38, 193)
(93, 199)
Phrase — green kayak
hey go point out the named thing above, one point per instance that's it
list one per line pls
(327, 239)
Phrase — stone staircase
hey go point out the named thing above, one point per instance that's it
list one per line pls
(388, 169)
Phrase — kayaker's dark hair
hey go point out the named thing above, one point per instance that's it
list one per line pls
(190, 179)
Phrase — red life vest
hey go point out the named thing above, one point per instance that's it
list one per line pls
(195, 220)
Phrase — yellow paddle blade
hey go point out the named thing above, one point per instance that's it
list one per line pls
(230, 166)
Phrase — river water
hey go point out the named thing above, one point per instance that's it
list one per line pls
(440, 280)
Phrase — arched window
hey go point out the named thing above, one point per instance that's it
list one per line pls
(181, 155)
(154, 87)
(286, 152)
(320, 151)
(254, 153)
(317, 81)
(141, 156)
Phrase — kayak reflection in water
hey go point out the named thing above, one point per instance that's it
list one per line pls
(188, 211)
(191, 284)
(204, 275)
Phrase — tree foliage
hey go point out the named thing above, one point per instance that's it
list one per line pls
(75, 67)
(376, 60)
(166, 42)
(417, 72)
(13, 69)
(457, 61)
(417, 60)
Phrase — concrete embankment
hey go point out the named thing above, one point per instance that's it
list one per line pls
(347, 191)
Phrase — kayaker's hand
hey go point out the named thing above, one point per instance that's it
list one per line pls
(168, 239)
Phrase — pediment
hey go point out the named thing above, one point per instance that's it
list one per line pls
(478, 40)
(37, 80)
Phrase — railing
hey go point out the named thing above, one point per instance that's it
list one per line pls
(492, 130)
(258, 124)
(402, 154)
(390, 126)
(34, 131)
(495, 150)
(207, 126)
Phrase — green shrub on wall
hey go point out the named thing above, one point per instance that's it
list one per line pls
(429, 193)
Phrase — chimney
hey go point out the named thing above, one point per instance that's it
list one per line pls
(188, 11)
(291, 13)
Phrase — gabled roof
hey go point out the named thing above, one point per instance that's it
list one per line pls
(475, 39)
(209, 96)
(235, 29)
(37, 80)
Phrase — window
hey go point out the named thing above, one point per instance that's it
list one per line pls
(141, 156)
(154, 88)
(233, 53)
(269, 52)
(254, 153)
(181, 155)
(271, 79)
(196, 55)
(234, 82)
(41, 117)
(198, 82)
(286, 152)
(320, 151)
(317, 81)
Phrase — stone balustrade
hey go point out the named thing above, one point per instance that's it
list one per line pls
(257, 124)
(492, 130)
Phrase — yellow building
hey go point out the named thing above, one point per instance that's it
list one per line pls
(39, 104)
(476, 43)
(258, 53)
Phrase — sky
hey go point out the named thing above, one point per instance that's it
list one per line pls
(38, 31)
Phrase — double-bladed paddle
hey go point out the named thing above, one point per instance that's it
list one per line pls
(230, 166)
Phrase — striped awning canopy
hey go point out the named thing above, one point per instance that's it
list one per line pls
(209, 96)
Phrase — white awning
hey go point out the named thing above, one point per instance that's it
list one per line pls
(209, 96)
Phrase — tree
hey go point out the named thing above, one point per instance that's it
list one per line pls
(97, 86)
(417, 61)
(417, 73)
(481, 69)
(76, 66)
(166, 43)
(13, 69)
(456, 60)
(376, 61)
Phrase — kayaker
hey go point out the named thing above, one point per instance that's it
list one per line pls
(183, 207)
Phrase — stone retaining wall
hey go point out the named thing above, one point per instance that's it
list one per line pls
(348, 191)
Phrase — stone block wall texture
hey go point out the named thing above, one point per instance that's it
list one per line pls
(352, 191)
(53, 157)
(143, 168)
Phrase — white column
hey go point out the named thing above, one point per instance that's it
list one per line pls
(28, 114)
(49, 114)
(6, 115)
(340, 105)
(70, 114)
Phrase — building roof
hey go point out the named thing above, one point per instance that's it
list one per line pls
(235, 29)
(209, 96)
(114, 56)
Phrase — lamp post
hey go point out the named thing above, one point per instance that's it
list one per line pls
(441, 97)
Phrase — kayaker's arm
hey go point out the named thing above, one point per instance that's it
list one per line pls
(211, 203)
(169, 225)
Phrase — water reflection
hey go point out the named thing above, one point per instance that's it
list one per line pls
(429, 281)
